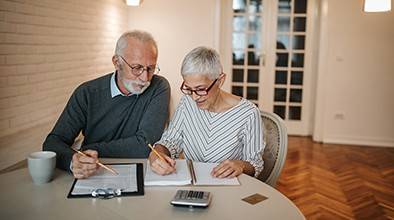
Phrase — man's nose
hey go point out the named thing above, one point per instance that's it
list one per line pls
(144, 75)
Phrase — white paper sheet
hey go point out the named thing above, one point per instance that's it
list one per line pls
(126, 180)
(183, 177)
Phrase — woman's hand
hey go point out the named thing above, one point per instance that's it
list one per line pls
(159, 166)
(228, 169)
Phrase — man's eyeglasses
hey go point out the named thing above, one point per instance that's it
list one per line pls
(138, 69)
(199, 92)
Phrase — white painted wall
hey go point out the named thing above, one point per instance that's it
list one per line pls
(355, 92)
(178, 26)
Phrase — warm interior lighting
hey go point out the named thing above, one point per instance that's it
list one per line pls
(133, 2)
(377, 5)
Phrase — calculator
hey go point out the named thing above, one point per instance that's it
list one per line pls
(191, 198)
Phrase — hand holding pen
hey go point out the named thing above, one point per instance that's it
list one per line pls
(85, 164)
(160, 162)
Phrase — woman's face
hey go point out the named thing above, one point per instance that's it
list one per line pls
(198, 82)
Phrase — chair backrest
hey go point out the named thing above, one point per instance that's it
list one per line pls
(274, 156)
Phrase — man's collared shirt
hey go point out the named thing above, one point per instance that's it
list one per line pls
(114, 88)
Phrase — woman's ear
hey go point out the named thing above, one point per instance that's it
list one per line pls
(222, 78)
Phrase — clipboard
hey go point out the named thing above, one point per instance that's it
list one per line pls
(137, 178)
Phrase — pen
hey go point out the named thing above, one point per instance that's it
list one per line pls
(100, 164)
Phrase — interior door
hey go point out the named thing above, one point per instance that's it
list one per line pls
(265, 46)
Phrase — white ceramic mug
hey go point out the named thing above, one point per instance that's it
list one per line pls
(41, 166)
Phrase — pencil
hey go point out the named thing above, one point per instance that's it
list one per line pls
(157, 153)
(100, 164)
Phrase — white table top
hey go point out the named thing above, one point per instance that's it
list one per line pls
(20, 198)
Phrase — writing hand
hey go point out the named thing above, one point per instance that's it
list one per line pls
(161, 167)
(85, 166)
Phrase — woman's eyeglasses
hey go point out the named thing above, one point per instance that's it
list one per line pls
(199, 92)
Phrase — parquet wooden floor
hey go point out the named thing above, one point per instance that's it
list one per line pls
(330, 181)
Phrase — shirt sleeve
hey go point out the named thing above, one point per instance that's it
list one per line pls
(254, 142)
(172, 137)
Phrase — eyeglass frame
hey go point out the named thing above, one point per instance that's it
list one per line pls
(196, 91)
(156, 69)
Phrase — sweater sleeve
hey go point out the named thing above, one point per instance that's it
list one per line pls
(173, 135)
(150, 128)
(254, 142)
(67, 128)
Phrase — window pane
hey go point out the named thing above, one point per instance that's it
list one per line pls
(300, 6)
(281, 77)
(253, 76)
(280, 95)
(283, 23)
(254, 23)
(238, 75)
(282, 59)
(282, 42)
(253, 58)
(238, 57)
(299, 24)
(239, 40)
(280, 110)
(295, 95)
(297, 60)
(254, 40)
(298, 42)
(252, 93)
(239, 5)
(237, 90)
(255, 6)
(284, 6)
(295, 113)
(296, 77)
(239, 23)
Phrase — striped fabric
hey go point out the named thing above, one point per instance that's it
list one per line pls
(204, 136)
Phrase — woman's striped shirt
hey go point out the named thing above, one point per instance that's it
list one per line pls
(235, 134)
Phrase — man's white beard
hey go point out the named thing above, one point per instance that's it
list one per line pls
(135, 87)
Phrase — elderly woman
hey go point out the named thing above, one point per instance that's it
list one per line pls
(209, 124)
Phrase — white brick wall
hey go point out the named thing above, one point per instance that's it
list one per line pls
(47, 48)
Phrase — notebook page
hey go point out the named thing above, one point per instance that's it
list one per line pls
(181, 177)
(203, 175)
(126, 180)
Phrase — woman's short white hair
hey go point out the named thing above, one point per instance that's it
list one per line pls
(204, 61)
(139, 35)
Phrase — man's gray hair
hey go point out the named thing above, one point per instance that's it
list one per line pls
(139, 35)
(204, 61)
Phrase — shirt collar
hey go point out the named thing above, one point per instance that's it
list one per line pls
(114, 88)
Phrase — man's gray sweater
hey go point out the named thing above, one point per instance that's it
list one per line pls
(115, 127)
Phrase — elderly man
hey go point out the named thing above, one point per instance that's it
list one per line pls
(117, 113)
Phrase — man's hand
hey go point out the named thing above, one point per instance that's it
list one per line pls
(228, 169)
(85, 166)
(159, 166)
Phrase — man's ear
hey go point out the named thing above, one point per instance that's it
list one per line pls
(115, 61)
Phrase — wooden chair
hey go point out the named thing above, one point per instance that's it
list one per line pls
(275, 138)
